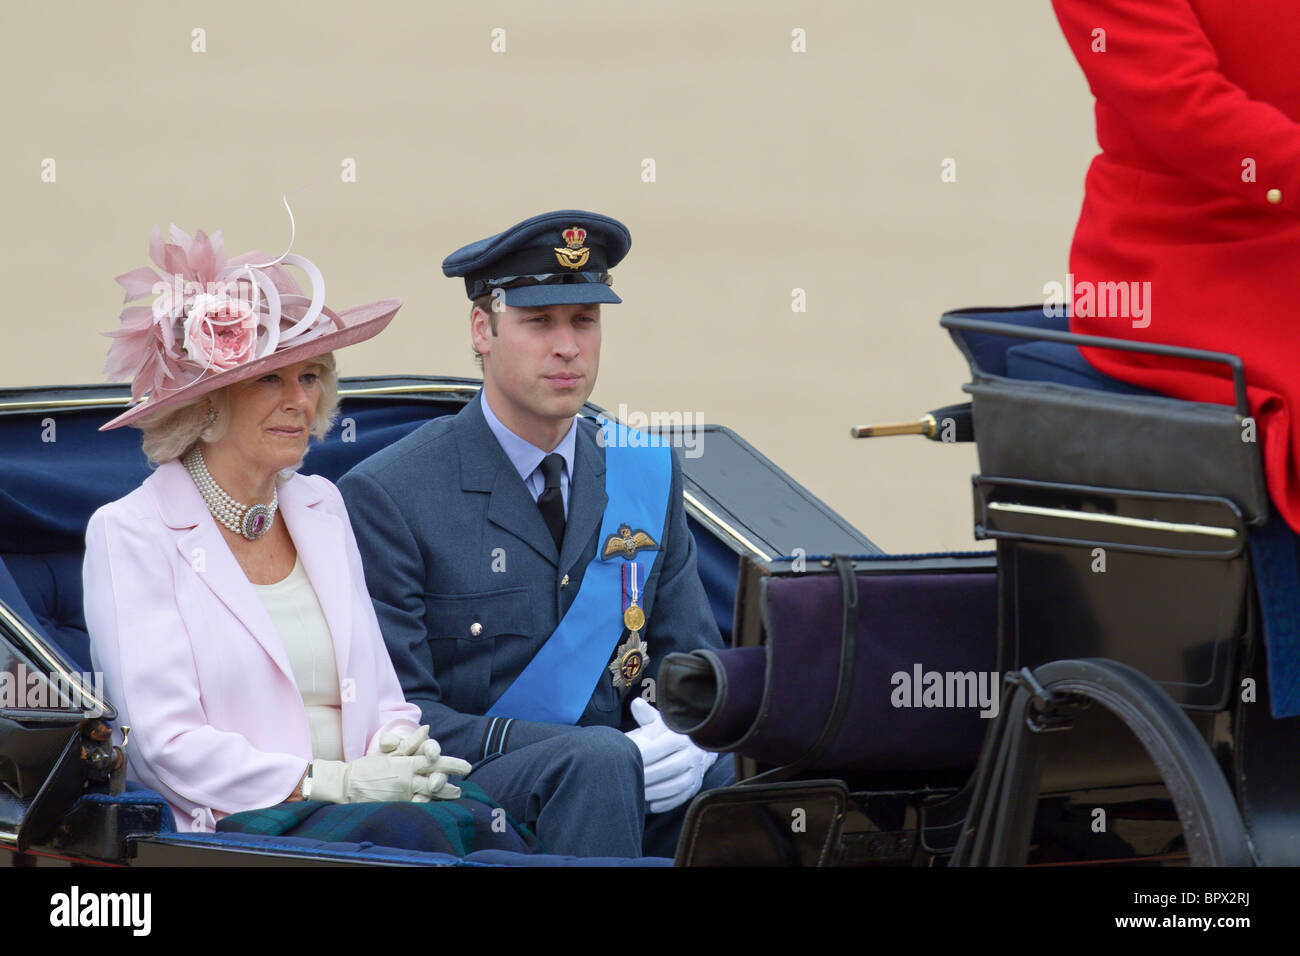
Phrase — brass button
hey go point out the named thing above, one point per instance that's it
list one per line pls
(475, 629)
(564, 581)
(1274, 196)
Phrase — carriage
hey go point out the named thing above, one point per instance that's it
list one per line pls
(58, 800)
(1140, 596)
(1093, 689)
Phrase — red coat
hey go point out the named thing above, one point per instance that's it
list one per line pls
(1188, 93)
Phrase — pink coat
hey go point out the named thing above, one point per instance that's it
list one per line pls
(194, 664)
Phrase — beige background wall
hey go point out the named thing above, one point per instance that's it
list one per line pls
(775, 170)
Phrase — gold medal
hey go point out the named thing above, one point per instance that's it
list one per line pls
(633, 618)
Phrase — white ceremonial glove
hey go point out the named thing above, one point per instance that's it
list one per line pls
(674, 766)
(410, 743)
(378, 778)
(419, 743)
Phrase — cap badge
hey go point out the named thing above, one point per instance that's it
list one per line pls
(574, 255)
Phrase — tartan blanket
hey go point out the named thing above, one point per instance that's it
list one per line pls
(473, 822)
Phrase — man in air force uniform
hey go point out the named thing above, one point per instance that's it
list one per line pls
(531, 568)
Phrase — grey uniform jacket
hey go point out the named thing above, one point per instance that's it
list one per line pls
(451, 538)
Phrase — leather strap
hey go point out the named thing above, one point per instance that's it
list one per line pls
(843, 684)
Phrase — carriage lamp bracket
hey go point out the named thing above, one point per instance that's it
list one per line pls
(1047, 712)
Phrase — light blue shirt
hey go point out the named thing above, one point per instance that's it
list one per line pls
(527, 457)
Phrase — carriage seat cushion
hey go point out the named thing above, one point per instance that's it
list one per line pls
(49, 587)
(1034, 361)
(1065, 364)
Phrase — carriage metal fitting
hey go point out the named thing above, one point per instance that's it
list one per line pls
(1046, 711)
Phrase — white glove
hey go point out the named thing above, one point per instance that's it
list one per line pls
(378, 778)
(674, 766)
(419, 743)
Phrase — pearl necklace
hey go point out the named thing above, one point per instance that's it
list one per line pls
(251, 521)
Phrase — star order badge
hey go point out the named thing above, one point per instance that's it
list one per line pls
(574, 254)
(629, 661)
(627, 543)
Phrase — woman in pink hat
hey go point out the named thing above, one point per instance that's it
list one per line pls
(225, 597)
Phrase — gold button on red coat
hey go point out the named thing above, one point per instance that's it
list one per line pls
(1274, 196)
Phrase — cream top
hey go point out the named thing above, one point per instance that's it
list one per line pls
(297, 614)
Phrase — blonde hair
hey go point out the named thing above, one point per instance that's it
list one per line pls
(169, 435)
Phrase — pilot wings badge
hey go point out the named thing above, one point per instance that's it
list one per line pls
(627, 543)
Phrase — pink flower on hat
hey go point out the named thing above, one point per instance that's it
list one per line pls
(145, 347)
(220, 332)
(195, 327)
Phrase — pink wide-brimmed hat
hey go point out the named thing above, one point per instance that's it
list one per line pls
(214, 322)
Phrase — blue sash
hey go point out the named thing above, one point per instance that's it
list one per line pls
(558, 682)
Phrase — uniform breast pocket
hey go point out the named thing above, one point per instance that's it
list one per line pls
(479, 642)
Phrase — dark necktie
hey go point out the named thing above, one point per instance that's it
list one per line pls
(551, 500)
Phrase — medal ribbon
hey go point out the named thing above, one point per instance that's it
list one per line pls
(623, 605)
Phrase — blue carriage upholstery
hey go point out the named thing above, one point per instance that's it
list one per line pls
(350, 852)
(14, 598)
(393, 856)
(1274, 547)
(1038, 361)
